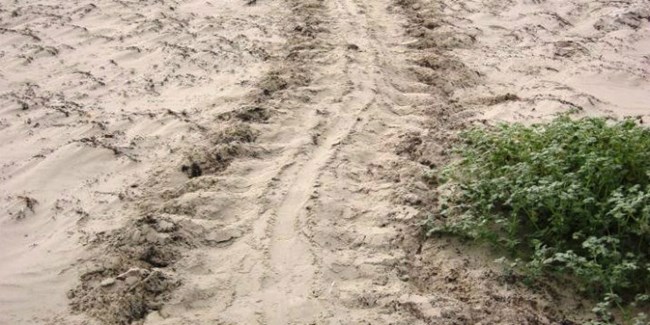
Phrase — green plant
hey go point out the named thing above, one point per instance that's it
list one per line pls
(568, 197)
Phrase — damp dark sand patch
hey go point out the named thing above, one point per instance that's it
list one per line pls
(249, 114)
(222, 149)
(130, 277)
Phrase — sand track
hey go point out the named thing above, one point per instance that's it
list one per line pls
(297, 248)
(260, 162)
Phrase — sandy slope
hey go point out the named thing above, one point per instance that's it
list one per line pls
(307, 123)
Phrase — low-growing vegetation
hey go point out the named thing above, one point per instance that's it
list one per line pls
(570, 198)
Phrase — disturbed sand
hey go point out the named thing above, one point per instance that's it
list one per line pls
(260, 162)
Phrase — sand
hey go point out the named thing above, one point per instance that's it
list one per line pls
(260, 162)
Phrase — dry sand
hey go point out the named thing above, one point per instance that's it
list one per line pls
(259, 162)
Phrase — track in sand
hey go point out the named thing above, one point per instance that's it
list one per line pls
(261, 162)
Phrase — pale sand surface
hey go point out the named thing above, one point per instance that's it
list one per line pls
(591, 55)
(311, 122)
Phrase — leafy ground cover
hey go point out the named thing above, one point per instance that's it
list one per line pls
(570, 198)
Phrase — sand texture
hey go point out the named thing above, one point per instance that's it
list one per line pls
(261, 161)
